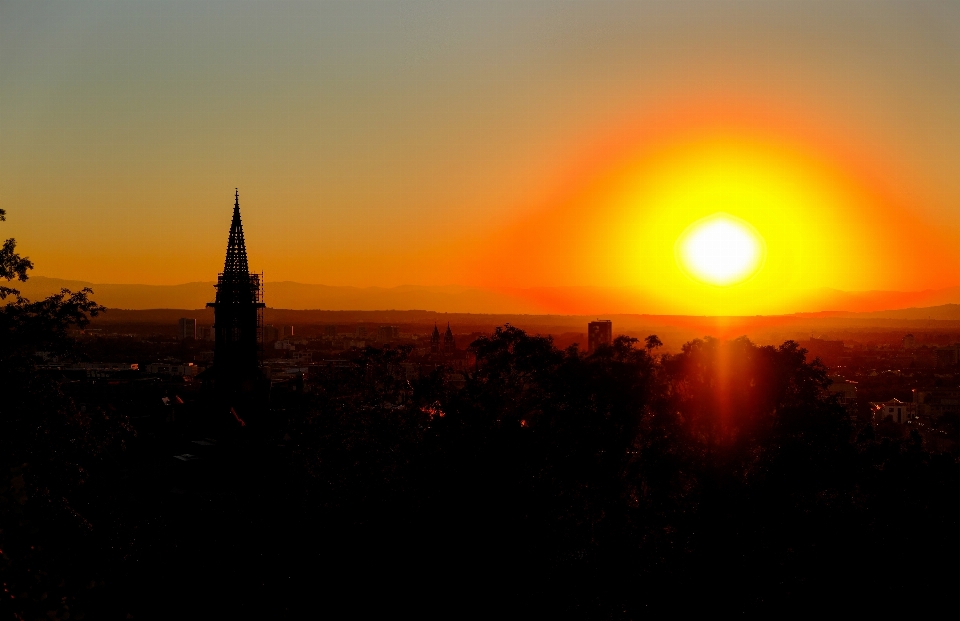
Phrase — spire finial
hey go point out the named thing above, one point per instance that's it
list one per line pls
(237, 196)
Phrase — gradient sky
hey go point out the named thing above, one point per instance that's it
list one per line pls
(512, 144)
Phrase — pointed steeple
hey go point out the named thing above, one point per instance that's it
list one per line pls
(449, 343)
(236, 262)
(435, 340)
(236, 285)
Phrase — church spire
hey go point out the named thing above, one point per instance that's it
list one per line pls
(236, 262)
(449, 342)
(237, 312)
(435, 340)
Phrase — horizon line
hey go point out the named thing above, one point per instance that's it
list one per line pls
(489, 287)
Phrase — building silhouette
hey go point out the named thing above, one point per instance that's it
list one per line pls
(444, 344)
(205, 333)
(385, 334)
(435, 340)
(271, 334)
(238, 316)
(449, 343)
(187, 328)
(599, 333)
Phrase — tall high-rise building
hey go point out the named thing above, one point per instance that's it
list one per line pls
(238, 313)
(599, 333)
(187, 328)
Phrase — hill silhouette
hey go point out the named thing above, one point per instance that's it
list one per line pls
(943, 304)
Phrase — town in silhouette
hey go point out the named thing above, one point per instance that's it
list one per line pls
(593, 310)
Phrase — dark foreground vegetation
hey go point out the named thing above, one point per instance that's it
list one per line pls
(612, 485)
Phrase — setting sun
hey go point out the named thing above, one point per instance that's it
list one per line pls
(720, 250)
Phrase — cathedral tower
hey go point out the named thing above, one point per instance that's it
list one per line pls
(449, 343)
(238, 314)
(435, 340)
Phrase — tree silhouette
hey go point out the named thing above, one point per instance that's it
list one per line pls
(12, 265)
(48, 449)
(653, 342)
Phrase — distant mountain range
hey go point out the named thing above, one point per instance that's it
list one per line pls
(941, 304)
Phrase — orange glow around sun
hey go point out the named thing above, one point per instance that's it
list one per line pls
(713, 221)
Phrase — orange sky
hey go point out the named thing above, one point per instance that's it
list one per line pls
(829, 214)
(487, 144)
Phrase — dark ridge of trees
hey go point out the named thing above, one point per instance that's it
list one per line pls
(721, 478)
(724, 477)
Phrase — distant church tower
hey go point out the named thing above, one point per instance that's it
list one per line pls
(238, 315)
(449, 343)
(435, 340)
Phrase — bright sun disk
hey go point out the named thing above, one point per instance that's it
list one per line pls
(720, 250)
